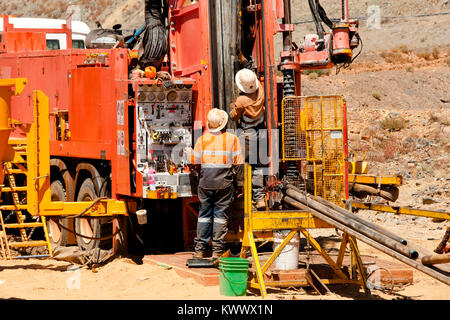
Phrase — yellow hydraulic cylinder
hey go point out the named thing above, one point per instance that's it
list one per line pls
(8, 88)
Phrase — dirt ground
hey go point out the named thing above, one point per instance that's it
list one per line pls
(125, 279)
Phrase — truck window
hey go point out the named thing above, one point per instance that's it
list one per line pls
(77, 44)
(53, 44)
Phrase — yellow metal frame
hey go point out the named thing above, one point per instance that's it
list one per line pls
(37, 171)
(401, 210)
(38, 178)
(377, 180)
(267, 221)
(319, 120)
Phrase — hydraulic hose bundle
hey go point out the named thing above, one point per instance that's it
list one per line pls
(319, 14)
(154, 45)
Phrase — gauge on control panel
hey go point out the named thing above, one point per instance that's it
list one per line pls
(184, 96)
(142, 96)
(151, 96)
(161, 96)
(172, 96)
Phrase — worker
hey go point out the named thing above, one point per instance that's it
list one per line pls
(218, 153)
(249, 112)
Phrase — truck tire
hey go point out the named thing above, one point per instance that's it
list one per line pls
(57, 236)
(87, 226)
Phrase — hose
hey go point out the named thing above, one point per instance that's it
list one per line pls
(319, 14)
(316, 18)
(323, 15)
(86, 237)
(381, 288)
(155, 43)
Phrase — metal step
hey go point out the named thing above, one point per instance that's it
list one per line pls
(24, 225)
(15, 189)
(13, 207)
(15, 171)
(24, 244)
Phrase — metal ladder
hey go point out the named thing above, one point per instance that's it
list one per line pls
(9, 172)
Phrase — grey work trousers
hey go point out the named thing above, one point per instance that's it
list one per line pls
(250, 137)
(213, 216)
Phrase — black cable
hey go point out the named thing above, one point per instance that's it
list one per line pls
(360, 41)
(102, 185)
(323, 15)
(316, 19)
(85, 210)
(131, 224)
(86, 237)
(155, 40)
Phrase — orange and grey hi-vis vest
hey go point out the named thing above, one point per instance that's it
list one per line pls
(217, 153)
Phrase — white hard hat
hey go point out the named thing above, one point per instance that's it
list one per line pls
(246, 81)
(217, 120)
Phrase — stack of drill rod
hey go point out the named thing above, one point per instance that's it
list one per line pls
(347, 221)
(367, 232)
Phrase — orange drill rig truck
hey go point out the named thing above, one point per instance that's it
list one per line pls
(120, 132)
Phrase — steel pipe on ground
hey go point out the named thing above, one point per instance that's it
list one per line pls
(353, 216)
(373, 234)
(436, 259)
(417, 265)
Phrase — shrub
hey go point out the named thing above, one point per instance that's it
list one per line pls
(318, 73)
(393, 122)
(433, 117)
(376, 95)
(313, 75)
(435, 53)
(393, 57)
(403, 48)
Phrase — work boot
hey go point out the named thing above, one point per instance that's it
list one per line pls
(217, 254)
(260, 205)
(199, 255)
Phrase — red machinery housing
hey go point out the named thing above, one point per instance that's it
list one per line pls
(123, 133)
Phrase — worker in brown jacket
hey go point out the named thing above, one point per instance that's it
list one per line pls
(249, 112)
(218, 153)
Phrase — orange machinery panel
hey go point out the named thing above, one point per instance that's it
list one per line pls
(98, 130)
(51, 71)
(23, 41)
(190, 52)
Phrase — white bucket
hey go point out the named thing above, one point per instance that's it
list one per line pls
(288, 257)
(141, 216)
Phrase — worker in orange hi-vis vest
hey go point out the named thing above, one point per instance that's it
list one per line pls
(219, 155)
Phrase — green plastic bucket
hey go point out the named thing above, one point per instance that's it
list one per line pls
(233, 276)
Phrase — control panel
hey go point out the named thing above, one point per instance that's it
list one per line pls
(163, 132)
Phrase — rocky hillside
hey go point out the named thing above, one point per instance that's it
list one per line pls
(130, 12)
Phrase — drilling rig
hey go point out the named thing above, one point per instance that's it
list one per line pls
(123, 110)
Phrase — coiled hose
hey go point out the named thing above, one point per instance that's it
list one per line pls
(155, 43)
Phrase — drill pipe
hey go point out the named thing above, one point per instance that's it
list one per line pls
(436, 259)
(372, 234)
(349, 215)
(377, 245)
